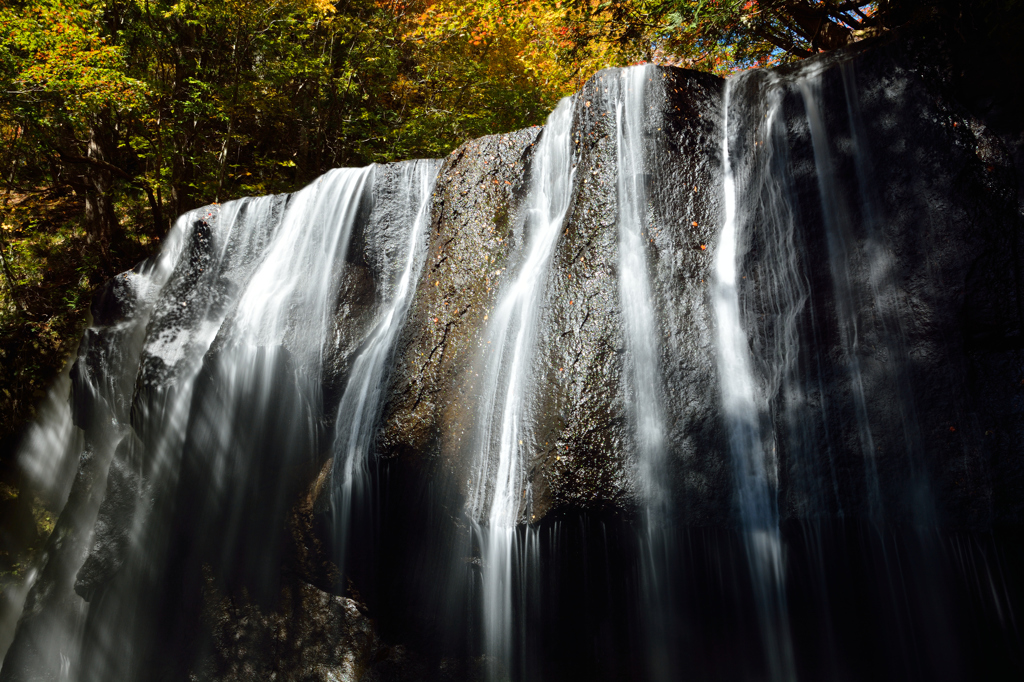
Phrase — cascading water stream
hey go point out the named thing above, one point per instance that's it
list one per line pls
(776, 401)
(359, 408)
(236, 346)
(639, 318)
(221, 247)
(499, 495)
(884, 290)
(785, 296)
(756, 473)
(836, 217)
(856, 235)
(242, 299)
(642, 369)
(890, 303)
(55, 616)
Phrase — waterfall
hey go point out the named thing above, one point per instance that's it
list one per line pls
(755, 470)
(238, 321)
(359, 408)
(236, 346)
(776, 399)
(53, 618)
(639, 318)
(499, 496)
(836, 217)
(705, 379)
(646, 402)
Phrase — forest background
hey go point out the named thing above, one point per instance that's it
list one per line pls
(116, 116)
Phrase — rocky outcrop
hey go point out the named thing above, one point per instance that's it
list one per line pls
(470, 241)
(939, 193)
(901, 248)
(311, 636)
(581, 452)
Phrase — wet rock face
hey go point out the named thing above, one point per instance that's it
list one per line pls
(581, 452)
(918, 195)
(685, 208)
(472, 235)
(310, 636)
(585, 455)
(374, 261)
(112, 532)
(904, 285)
(269, 452)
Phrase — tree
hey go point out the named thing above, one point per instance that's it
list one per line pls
(179, 103)
(723, 35)
(64, 84)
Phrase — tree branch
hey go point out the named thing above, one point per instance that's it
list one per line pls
(848, 20)
(782, 43)
(69, 158)
(851, 4)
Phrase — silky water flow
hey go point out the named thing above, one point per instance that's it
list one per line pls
(228, 326)
(359, 408)
(755, 469)
(500, 494)
(636, 99)
(772, 357)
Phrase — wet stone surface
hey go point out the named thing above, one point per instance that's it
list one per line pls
(580, 450)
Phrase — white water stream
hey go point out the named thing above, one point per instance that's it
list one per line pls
(359, 408)
(756, 473)
(640, 322)
(243, 295)
(499, 489)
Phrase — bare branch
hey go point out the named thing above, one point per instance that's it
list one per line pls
(782, 43)
(69, 158)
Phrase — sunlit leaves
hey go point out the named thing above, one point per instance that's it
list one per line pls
(56, 54)
(481, 67)
(207, 99)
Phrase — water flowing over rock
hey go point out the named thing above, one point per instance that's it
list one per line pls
(702, 380)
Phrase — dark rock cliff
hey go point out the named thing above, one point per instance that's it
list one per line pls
(925, 193)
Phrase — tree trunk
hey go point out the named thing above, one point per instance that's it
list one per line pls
(4, 265)
(812, 21)
(100, 217)
(222, 171)
(154, 206)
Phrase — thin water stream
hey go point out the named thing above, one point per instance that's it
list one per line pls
(499, 496)
(359, 409)
(640, 320)
(756, 471)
